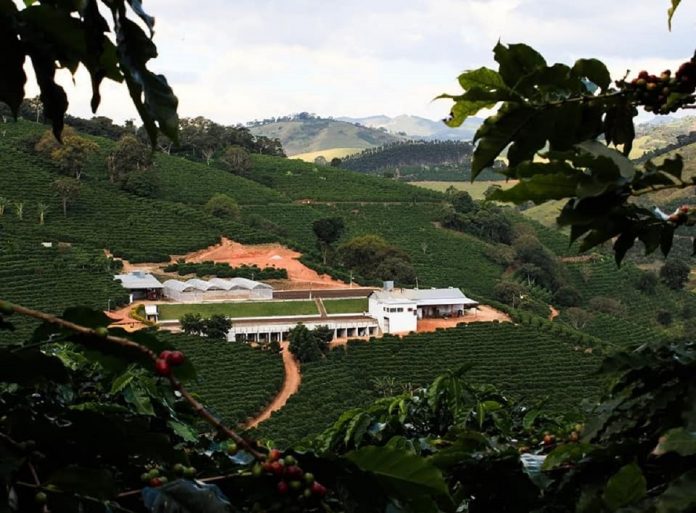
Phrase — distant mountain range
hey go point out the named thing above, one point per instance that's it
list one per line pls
(418, 127)
(307, 137)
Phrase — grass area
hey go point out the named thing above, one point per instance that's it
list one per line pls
(340, 306)
(476, 189)
(328, 154)
(242, 309)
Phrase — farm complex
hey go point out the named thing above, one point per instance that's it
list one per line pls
(262, 314)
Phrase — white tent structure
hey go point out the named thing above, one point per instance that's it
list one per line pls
(216, 289)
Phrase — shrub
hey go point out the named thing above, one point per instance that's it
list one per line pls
(221, 205)
(567, 296)
(675, 274)
(607, 305)
(664, 317)
(647, 282)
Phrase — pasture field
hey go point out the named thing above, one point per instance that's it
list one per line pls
(239, 309)
(344, 306)
(476, 188)
(328, 154)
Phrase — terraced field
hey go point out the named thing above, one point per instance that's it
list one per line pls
(524, 362)
(234, 380)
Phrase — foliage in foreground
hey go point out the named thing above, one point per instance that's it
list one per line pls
(87, 420)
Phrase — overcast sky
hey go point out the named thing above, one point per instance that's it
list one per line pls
(238, 60)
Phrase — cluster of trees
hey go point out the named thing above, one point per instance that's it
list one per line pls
(215, 327)
(410, 153)
(374, 259)
(203, 140)
(484, 220)
(222, 206)
(18, 207)
(130, 165)
(309, 345)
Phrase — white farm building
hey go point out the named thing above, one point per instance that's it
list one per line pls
(398, 310)
(140, 285)
(217, 289)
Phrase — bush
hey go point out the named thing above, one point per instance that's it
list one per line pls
(607, 305)
(664, 317)
(221, 205)
(675, 274)
(567, 296)
(647, 282)
(509, 292)
(142, 183)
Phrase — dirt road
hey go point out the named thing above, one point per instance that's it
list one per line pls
(291, 385)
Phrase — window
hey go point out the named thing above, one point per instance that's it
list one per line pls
(399, 309)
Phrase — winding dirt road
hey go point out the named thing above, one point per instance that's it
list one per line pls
(291, 385)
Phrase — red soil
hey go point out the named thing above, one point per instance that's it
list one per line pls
(265, 255)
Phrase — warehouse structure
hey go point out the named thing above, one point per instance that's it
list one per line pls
(217, 289)
(398, 310)
(141, 285)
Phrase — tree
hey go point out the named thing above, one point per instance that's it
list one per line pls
(324, 335)
(675, 273)
(142, 183)
(462, 202)
(221, 205)
(335, 162)
(71, 155)
(129, 155)
(42, 209)
(373, 258)
(192, 324)
(328, 231)
(217, 327)
(68, 189)
(509, 292)
(304, 344)
(236, 160)
(4, 203)
(567, 296)
(577, 317)
(321, 161)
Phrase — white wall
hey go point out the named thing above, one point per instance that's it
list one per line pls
(394, 317)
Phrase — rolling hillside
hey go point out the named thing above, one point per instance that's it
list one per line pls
(420, 128)
(279, 201)
(306, 135)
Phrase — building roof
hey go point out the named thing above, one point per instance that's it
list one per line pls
(425, 297)
(215, 284)
(138, 280)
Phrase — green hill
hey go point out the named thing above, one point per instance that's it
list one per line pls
(310, 134)
(278, 202)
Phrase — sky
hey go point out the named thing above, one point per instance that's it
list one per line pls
(234, 61)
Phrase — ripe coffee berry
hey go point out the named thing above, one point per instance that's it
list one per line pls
(162, 368)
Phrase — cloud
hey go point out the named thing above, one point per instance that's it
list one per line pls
(236, 61)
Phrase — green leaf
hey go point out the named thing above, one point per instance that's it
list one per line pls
(400, 470)
(569, 453)
(625, 487)
(623, 243)
(463, 109)
(593, 70)
(597, 149)
(516, 62)
(53, 97)
(496, 134)
(539, 189)
(138, 397)
(12, 78)
(121, 382)
(483, 78)
(92, 482)
(670, 12)
(680, 496)
(187, 433)
(151, 94)
(356, 429)
(677, 440)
